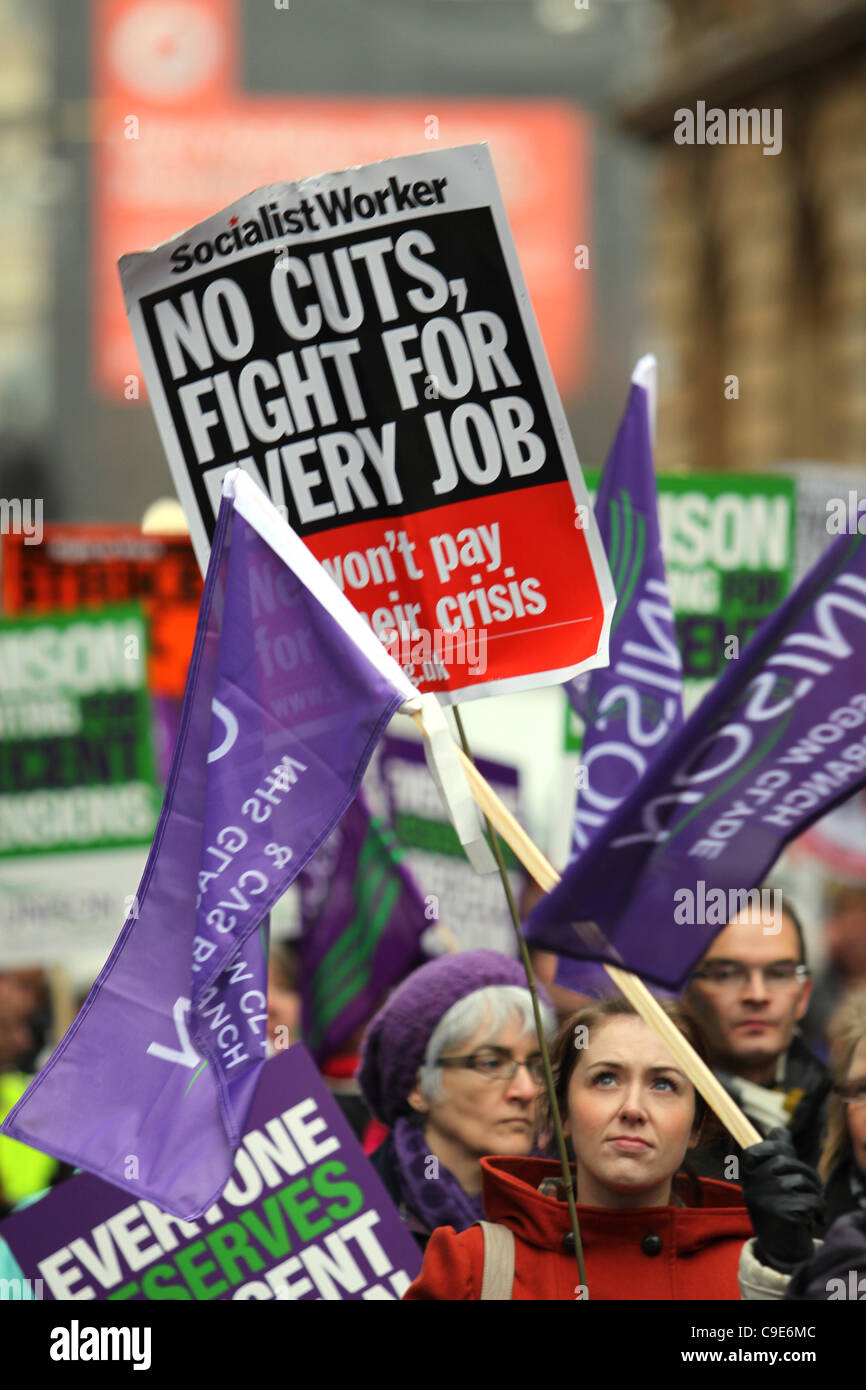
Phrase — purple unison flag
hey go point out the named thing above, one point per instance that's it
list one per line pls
(284, 704)
(367, 936)
(632, 706)
(776, 743)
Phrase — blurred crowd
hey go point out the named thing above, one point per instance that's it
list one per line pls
(445, 1090)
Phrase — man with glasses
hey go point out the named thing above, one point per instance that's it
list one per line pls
(748, 994)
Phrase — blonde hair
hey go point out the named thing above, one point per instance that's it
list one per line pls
(846, 1029)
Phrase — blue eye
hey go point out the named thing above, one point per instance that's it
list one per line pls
(666, 1081)
(603, 1076)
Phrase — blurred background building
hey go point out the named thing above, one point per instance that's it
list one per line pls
(746, 273)
(124, 121)
(30, 173)
(756, 263)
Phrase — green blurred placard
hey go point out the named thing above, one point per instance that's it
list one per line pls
(728, 543)
(76, 758)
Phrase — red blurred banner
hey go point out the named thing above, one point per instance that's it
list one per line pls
(90, 566)
(176, 140)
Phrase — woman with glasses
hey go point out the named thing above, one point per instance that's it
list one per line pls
(843, 1160)
(650, 1231)
(451, 1064)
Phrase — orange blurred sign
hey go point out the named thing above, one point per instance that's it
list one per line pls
(176, 141)
(90, 566)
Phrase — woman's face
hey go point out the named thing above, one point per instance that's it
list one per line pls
(857, 1113)
(477, 1115)
(630, 1116)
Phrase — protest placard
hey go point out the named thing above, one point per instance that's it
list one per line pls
(64, 908)
(362, 344)
(728, 544)
(303, 1217)
(472, 906)
(98, 564)
(76, 762)
(728, 547)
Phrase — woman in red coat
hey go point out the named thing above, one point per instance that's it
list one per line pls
(631, 1115)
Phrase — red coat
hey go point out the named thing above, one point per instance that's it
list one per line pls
(646, 1253)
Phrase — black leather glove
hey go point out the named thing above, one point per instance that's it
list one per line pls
(784, 1198)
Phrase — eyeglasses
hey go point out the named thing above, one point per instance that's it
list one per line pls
(852, 1095)
(497, 1064)
(731, 974)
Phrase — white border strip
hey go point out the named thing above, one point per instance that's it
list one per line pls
(646, 375)
(257, 509)
(453, 787)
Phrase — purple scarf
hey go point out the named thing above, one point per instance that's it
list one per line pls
(431, 1201)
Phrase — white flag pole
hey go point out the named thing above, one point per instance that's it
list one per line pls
(646, 374)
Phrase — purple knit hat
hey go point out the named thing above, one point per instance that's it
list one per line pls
(396, 1040)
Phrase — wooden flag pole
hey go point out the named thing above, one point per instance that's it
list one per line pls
(526, 962)
(634, 989)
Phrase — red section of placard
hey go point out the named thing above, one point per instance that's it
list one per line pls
(506, 588)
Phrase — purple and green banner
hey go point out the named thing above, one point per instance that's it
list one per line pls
(632, 706)
(778, 742)
(303, 1217)
(729, 548)
(285, 702)
(365, 936)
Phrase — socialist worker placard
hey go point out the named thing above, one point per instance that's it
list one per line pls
(363, 345)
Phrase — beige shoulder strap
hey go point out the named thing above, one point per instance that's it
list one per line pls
(498, 1279)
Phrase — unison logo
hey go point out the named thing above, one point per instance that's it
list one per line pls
(737, 126)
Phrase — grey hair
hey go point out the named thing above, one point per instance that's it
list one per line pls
(493, 1006)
